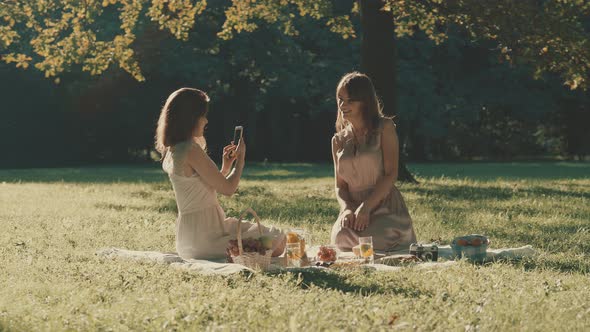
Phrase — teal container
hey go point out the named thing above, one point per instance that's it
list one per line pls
(473, 247)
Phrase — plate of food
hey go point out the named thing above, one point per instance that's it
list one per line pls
(326, 256)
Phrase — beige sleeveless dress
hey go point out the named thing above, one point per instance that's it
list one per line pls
(361, 167)
(202, 229)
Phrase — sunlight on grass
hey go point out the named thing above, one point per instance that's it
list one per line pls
(54, 220)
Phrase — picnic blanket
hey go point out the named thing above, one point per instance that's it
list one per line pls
(445, 252)
(207, 267)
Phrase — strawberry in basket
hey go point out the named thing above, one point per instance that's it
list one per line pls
(253, 253)
(250, 245)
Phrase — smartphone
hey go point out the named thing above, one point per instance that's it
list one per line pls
(238, 131)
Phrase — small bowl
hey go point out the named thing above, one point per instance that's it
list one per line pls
(473, 247)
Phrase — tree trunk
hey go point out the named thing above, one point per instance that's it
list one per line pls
(378, 60)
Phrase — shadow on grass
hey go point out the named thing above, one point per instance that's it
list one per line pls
(555, 238)
(311, 209)
(4, 328)
(579, 265)
(116, 207)
(320, 278)
(452, 206)
(151, 173)
(474, 193)
(275, 172)
(271, 171)
(165, 206)
(488, 171)
(147, 173)
(300, 210)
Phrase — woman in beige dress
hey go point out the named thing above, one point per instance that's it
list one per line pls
(365, 151)
(202, 229)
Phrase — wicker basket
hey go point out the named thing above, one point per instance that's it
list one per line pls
(473, 253)
(251, 260)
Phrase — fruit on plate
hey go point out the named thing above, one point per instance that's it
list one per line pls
(326, 254)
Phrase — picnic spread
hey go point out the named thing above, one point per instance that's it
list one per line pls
(299, 254)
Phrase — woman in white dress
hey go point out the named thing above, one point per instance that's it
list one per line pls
(202, 229)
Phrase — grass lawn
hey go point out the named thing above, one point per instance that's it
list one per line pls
(54, 220)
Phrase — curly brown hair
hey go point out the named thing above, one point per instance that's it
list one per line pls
(179, 116)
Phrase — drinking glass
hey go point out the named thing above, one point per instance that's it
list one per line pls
(366, 249)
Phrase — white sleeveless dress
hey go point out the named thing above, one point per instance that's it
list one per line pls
(202, 229)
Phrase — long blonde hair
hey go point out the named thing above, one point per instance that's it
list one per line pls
(360, 88)
(179, 116)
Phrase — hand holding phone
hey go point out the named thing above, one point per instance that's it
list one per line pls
(238, 131)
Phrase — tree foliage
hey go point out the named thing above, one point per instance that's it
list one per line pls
(459, 99)
(280, 87)
(56, 35)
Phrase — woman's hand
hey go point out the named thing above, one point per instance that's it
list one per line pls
(348, 218)
(228, 158)
(241, 150)
(361, 215)
(229, 155)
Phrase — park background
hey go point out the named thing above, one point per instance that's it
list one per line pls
(462, 99)
(491, 103)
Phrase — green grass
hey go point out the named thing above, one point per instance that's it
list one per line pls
(54, 220)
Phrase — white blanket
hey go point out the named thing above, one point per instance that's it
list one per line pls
(445, 252)
(193, 265)
(219, 268)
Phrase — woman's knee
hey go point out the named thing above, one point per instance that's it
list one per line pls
(343, 239)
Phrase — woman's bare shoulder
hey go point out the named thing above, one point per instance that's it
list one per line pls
(387, 124)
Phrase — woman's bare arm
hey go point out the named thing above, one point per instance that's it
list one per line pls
(206, 168)
(341, 187)
(390, 150)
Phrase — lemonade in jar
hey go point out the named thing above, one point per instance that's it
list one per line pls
(301, 237)
(296, 241)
